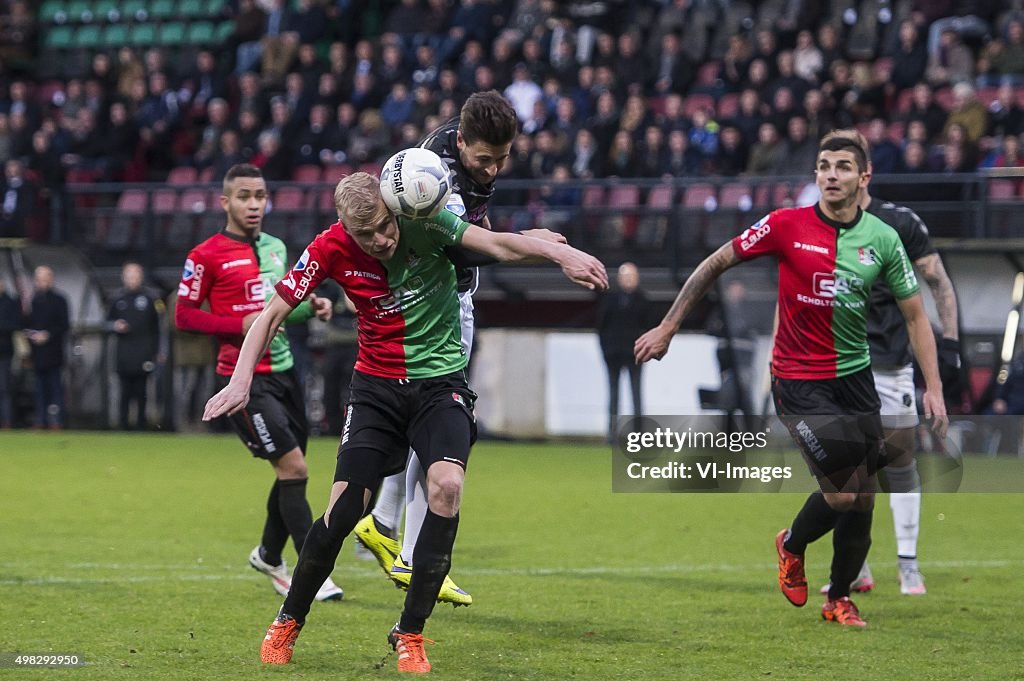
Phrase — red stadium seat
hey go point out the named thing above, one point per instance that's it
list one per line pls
(944, 98)
(333, 173)
(182, 175)
(736, 195)
(593, 197)
(906, 98)
(728, 106)
(132, 201)
(325, 202)
(196, 201)
(987, 95)
(307, 173)
(624, 196)
(661, 197)
(695, 102)
(708, 72)
(289, 199)
(1002, 190)
(165, 201)
(697, 196)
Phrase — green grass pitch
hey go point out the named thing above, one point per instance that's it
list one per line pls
(131, 551)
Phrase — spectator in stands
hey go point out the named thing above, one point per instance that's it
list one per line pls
(634, 116)
(622, 160)
(129, 70)
(732, 155)
(46, 325)
(121, 138)
(365, 93)
(652, 154)
(605, 121)
(623, 315)
(157, 120)
(19, 102)
(244, 41)
(955, 159)
(766, 153)
(951, 63)
(406, 20)
(534, 59)
(807, 59)
(1007, 154)
(681, 159)
(915, 158)
(565, 122)
(523, 92)
(924, 108)
(1004, 116)
(229, 153)
(885, 155)
(828, 43)
(50, 174)
(277, 43)
(281, 120)
(309, 66)
(910, 59)
(736, 61)
(585, 156)
(248, 134)
(17, 35)
(766, 48)
(968, 112)
(1002, 62)
(787, 78)
(819, 120)
(545, 155)
(750, 116)
(19, 197)
(672, 70)
(311, 146)
(327, 91)
(21, 134)
(425, 67)
(758, 75)
(10, 321)
(960, 19)
(155, 60)
(370, 140)
(704, 135)
(271, 158)
(783, 108)
(204, 83)
(297, 98)
(209, 139)
(560, 199)
(469, 61)
(800, 153)
(134, 318)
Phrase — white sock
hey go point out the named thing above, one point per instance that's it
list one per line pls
(906, 519)
(388, 509)
(416, 506)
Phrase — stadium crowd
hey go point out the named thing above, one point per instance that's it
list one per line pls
(627, 89)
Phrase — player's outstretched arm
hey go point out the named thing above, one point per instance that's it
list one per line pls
(922, 342)
(654, 344)
(581, 268)
(235, 395)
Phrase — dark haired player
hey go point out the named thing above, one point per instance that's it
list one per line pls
(828, 254)
(235, 272)
(475, 145)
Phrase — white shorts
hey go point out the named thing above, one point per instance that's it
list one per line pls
(467, 320)
(895, 389)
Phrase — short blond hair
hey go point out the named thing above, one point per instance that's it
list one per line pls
(358, 201)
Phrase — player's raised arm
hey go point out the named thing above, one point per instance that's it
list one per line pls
(581, 268)
(654, 344)
(236, 394)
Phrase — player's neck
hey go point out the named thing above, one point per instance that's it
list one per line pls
(242, 233)
(865, 200)
(844, 212)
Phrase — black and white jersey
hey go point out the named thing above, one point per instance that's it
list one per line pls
(887, 330)
(468, 200)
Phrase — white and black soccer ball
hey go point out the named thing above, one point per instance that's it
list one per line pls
(415, 183)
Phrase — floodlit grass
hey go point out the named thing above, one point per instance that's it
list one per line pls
(131, 551)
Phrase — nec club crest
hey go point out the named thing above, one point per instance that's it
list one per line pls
(866, 255)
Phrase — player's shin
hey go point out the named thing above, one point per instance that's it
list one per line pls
(295, 511)
(813, 522)
(851, 541)
(432, 558)
(320, 550)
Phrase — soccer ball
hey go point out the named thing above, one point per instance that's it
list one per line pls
(415, 183)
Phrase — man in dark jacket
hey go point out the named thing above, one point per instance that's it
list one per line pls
(623, 316)
(46, 327)
(135, 319)
(10, 321)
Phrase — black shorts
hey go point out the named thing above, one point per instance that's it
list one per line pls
(274, 421)
(835, 423)
(384, 417)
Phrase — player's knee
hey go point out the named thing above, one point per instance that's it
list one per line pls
(291, 466)
(445, 495)
(841, 501)
(347, 509)
(863, 503)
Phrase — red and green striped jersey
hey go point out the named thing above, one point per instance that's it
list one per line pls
(237, 276)
(826, 270)
(407, 308)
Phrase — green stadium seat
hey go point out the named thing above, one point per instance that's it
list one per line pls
(80, 11)
(115, 36)
(190, 9)
(134, 10)
(106, 10)
(162, 9)
(59, 37)
(53, 12)
(143, 35)
(200, 33)
(87, 37)
(214, 8)
(172, 33)
(223, 30)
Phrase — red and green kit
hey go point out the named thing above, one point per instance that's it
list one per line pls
(826, 269)
(407, 307)
(234, 276)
